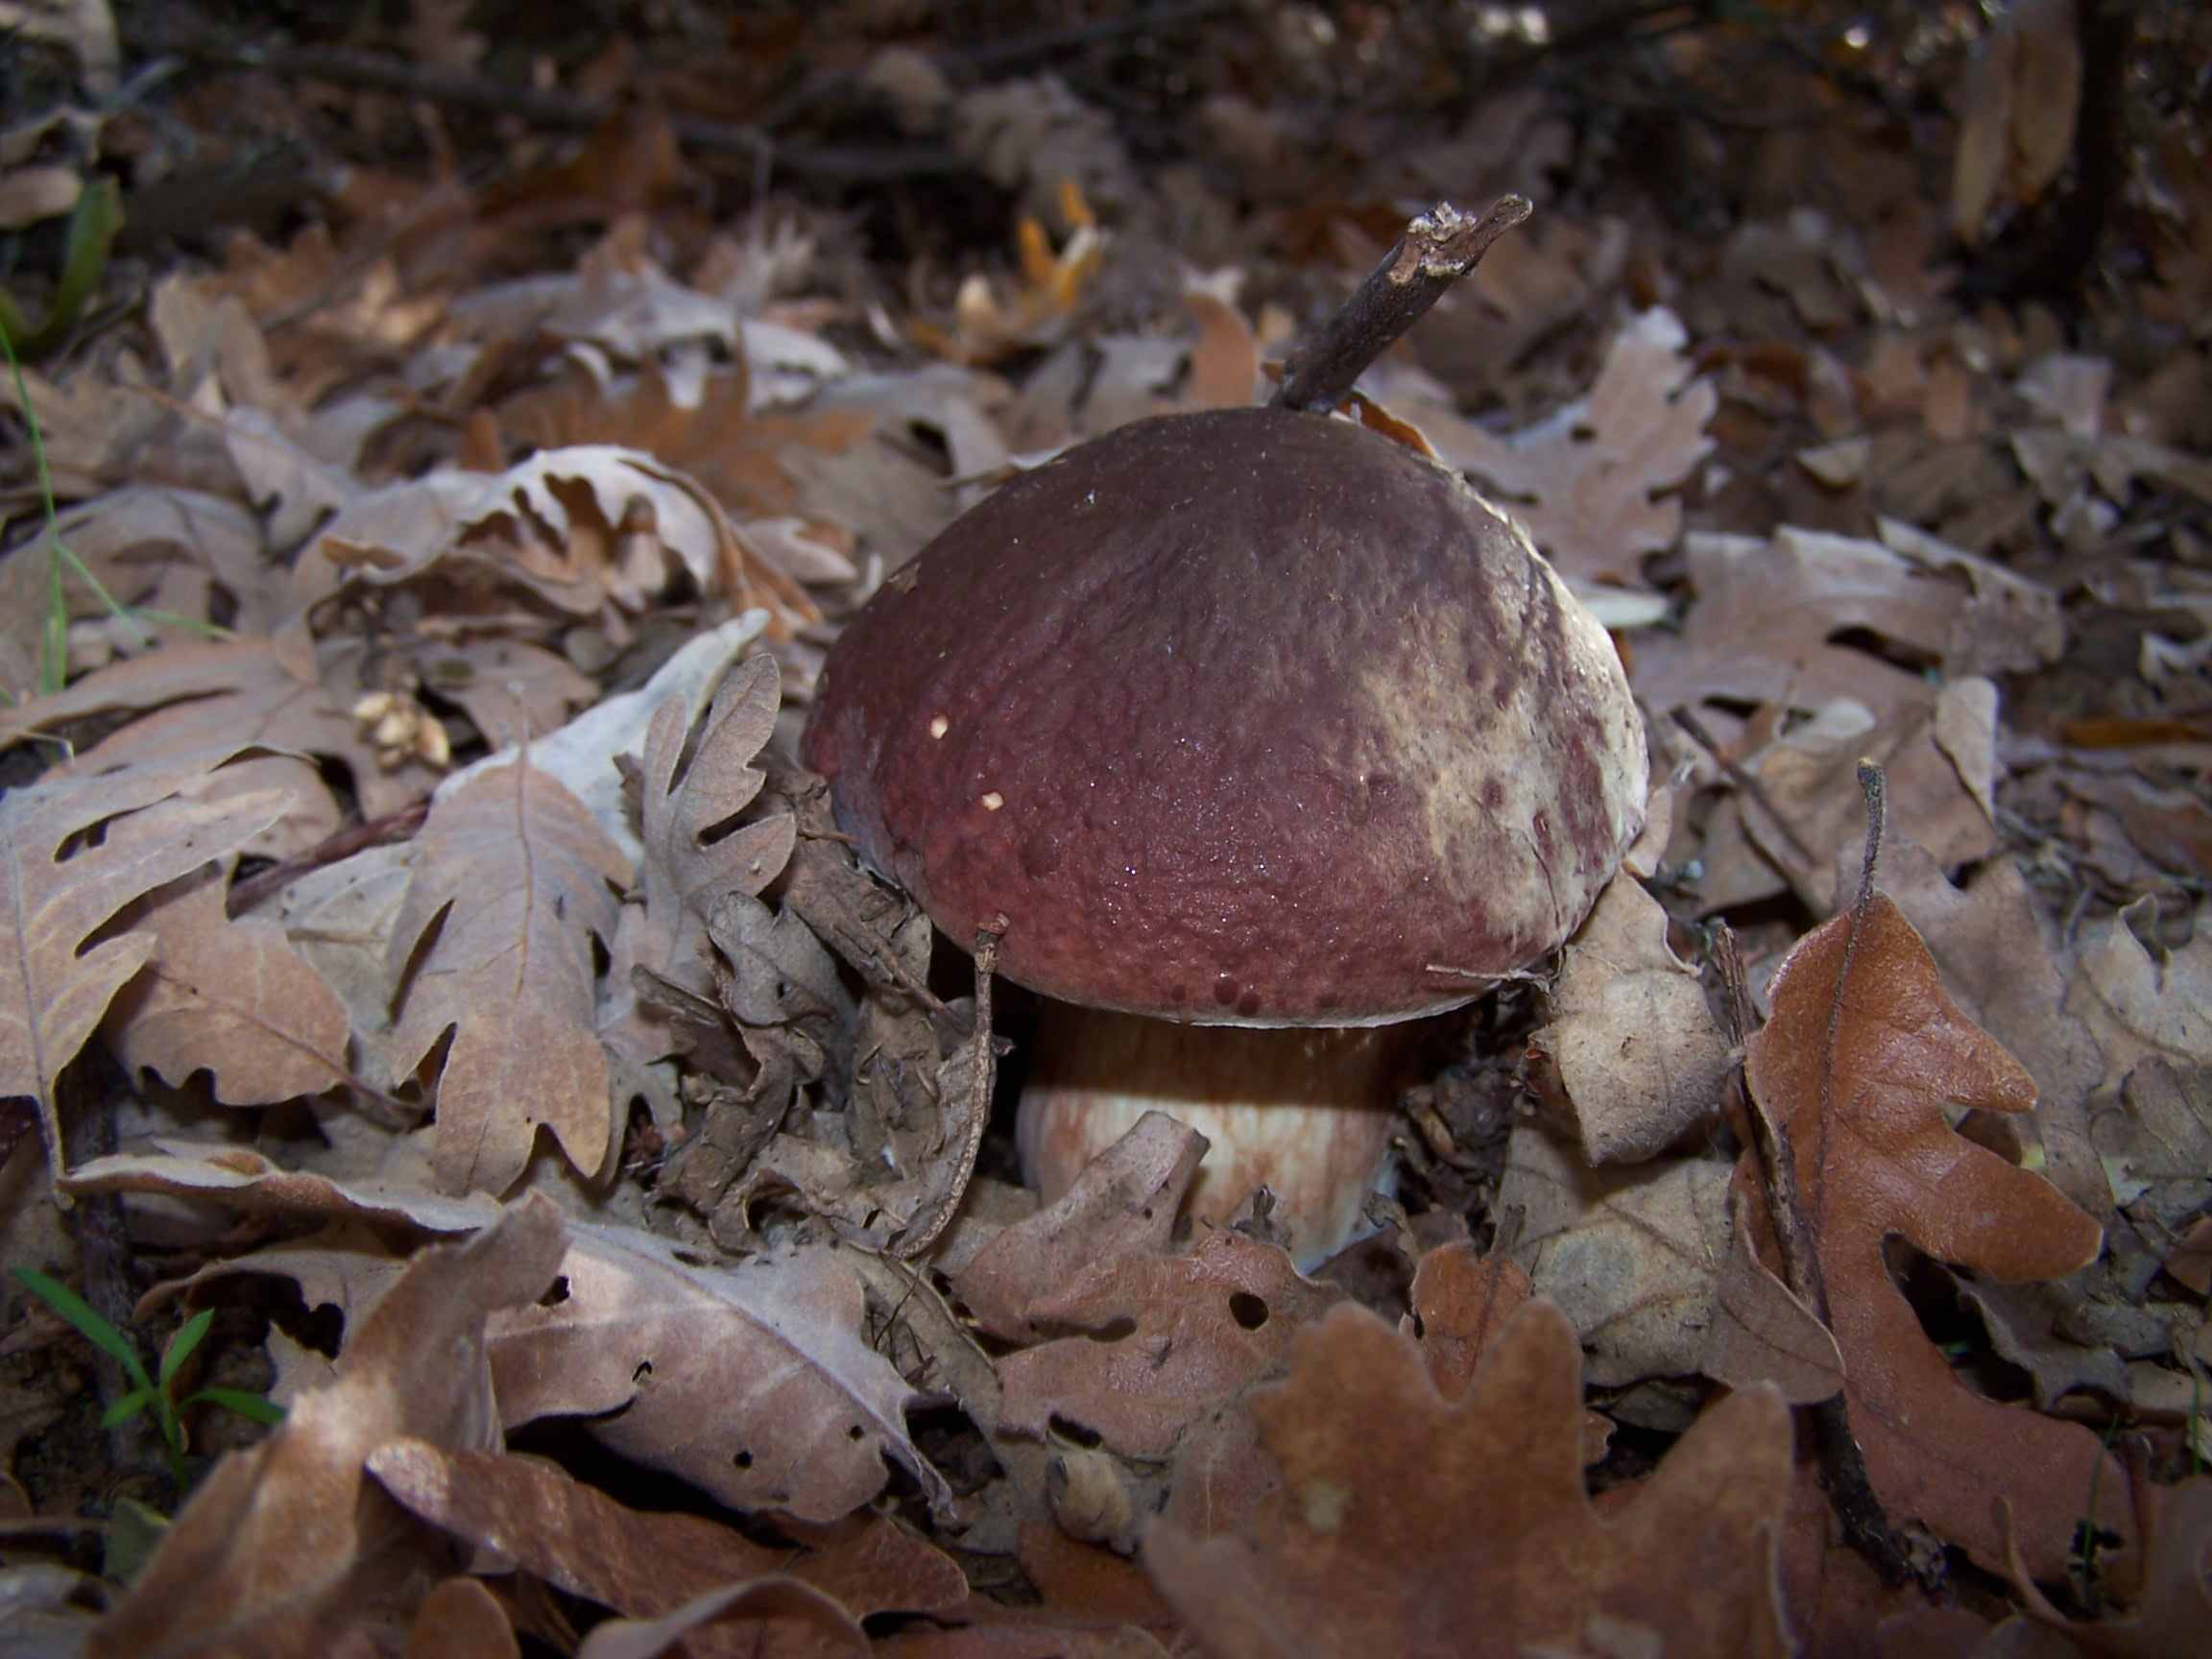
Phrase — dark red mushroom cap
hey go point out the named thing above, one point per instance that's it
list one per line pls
(1246, 717)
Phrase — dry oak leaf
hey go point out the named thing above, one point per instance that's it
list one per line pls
(1766, 623)
(1121, 1206)
(1584, 481)
(2173, 1613)
(2020, 96)
(646, 1564)
(1461, 1302)
(1940, 759)
(2140, 1005)
(690, 790)
(1860, 1069)
(581, 527)
(730, 1620)
(1628, 1253)
(238, 691)
(231, 998)
(59, 887)
(1414, 1526)
(756, 1382)
(289, 1549)
(246, 1181)
(1632, 1043)
(513, 880)
(1165, 1340)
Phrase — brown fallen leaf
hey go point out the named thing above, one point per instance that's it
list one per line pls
(231, 996)
(513, 880)
(250, 1182)
(1631, 1042)
(288, 1546)
(730, 1618)
(1412, 1526)
(1585, 480)
(191, 696)
(1628, 1253)
(756, 1382)
(2170, 1616)
(57, 887)
(1860, 1069)
(644, 1564)
(2021, 94)
(1461, 1301)
(1199, 1329)
(1765, 624)
(462, 1620)
(1122, 1206)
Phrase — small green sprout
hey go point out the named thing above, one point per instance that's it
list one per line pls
(155, 1394)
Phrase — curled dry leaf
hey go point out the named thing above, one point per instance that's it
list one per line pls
(644, 1565)
(756, 1383)
(1415, 1527)
(251, 1184)
(1860, 1067)
(58, 888)
(1632, 1043)
(1165, 1340)
(1121, 1206)
(511, 880)
(287, 1546)
(580, 527)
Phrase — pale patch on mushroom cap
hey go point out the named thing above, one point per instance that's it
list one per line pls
(1285, 724)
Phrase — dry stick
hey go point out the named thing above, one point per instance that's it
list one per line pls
(263, 884)
(1437, 248)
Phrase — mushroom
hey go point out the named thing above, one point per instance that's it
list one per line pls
(1251, 718)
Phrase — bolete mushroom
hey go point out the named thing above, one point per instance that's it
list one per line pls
(1253, 718)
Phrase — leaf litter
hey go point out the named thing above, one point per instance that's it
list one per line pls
(455, 560)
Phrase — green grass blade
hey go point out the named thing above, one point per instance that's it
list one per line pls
(90, 1323)
(127, 1407)
(193, 1332)
(251, 1407)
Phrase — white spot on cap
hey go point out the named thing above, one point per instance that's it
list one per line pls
(993, 801)
(939, 725)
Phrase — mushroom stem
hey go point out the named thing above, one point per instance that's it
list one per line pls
(1307, 1112)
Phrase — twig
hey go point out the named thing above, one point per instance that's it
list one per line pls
(1437, 248)
(264, 885)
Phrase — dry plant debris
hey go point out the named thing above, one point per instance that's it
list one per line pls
(464, 433)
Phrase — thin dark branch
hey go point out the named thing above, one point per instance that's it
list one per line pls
(1437, 248)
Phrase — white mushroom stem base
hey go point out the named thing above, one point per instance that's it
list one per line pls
(1307, 1113)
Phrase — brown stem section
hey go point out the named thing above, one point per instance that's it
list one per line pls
(1439, 249)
